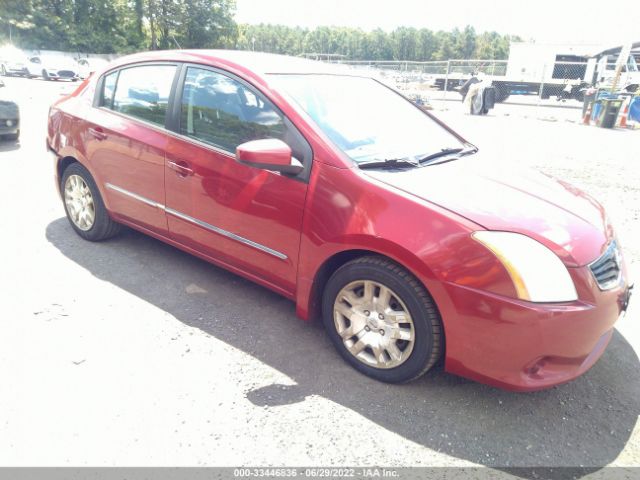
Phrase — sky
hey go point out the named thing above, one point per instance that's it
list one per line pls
(545, 21)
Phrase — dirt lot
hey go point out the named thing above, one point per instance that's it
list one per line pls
(131, 352)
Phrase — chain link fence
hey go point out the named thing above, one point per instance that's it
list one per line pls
(528, 82)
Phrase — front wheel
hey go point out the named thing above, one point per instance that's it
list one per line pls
(382, 320)
(84, 206)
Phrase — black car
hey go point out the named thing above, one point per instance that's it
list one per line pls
(9, 117)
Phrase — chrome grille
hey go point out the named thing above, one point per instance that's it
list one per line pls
(608, 268)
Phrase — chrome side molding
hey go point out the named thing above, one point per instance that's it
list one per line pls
(195, 221)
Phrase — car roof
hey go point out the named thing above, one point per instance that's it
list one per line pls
(257, 62)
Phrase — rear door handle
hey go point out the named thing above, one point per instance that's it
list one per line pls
(180, 167)
(97, 133)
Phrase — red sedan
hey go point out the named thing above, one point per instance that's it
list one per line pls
(338, 193)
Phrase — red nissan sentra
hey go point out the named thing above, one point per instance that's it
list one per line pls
(338, 193)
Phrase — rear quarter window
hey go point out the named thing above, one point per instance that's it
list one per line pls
(108, 90)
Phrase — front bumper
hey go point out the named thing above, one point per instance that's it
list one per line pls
(63, 74)
(524, 346)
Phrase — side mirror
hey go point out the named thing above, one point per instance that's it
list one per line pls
(268, 154)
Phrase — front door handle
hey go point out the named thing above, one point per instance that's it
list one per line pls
(181, 168)
(97, 133)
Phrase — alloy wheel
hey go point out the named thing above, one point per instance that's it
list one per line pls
(79, 202)
(374, 324)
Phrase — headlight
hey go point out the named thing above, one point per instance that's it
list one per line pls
(537, 273)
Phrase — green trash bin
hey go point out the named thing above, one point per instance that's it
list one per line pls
(608, 113)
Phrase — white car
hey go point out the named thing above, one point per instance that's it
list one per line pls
(13, 62)
(54, 67)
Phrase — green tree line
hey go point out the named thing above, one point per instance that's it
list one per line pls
(123, 26)
(403, 43)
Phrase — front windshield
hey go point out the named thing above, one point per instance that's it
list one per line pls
(365, 119)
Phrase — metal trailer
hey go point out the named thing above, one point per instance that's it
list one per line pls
(563, 71)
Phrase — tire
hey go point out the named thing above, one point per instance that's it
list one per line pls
(102, 227)
(421, 343)
(4, 71)
(473, 109)
(45, 75)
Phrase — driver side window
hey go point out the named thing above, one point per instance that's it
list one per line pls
(223, 112)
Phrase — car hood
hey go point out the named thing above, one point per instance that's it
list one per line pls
(562, 217)
(59, 64)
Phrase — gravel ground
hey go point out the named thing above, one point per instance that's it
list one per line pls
(132, 353)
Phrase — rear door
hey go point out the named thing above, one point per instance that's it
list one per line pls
(244, 217)
(126, 139)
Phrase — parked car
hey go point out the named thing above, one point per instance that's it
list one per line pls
(340, 194)
(9, 116)
(13, 62)
(54, 67)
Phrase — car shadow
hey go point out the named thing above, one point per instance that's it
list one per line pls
(585, 423)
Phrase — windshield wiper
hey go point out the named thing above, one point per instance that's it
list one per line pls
(388, 163)
(431, 159)
(447, 152)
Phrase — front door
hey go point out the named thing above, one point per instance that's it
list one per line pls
(244, 217)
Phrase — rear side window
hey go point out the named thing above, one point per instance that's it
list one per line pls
(223, 112)
(142, 92)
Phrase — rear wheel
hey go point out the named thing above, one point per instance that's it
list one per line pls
(382, 320)
(84, 206)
